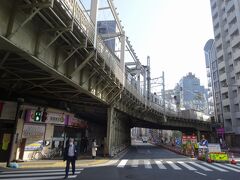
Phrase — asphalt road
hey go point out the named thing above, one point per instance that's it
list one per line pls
(147, 162)
(143, 161)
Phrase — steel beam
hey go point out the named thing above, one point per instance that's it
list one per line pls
(11, 33)
(83, 63)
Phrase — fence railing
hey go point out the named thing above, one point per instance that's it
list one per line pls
(76, 12)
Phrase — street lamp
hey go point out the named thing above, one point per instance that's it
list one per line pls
(13, 136)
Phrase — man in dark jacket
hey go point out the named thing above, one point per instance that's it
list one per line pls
(70, 155)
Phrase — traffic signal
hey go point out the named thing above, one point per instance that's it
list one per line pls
(44, 116)
(37, 116)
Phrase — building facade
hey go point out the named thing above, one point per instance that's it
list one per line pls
(226, 25)
(214, 93)
(192, 94)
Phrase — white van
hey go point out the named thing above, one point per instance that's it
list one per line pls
(144, 139)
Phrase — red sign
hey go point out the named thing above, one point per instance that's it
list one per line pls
(192, 139)
(75, 122)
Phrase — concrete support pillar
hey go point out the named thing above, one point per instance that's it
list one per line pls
(122, 55)
(110, 129)
(118, 132)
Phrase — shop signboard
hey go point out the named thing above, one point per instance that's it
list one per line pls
(33, 131)
(220, 131)
(52, 117)
(75, 122)
(56, 118)
(192, 139)
(8, 110)
(34, 146)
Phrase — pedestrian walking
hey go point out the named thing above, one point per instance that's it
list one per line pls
(70, 156)
(94, 148)
(85, 145)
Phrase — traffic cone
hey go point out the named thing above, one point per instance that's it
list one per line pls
(209, 159)
(232, 160)
(192, 155)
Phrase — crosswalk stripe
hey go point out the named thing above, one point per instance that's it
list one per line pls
(122, 163)
(227, 167)
(36, 171)
(41, 178)
(147, 164)
(174, 166)
(135, 163)
(234, 166)
(35, 174)
(160, 165)
(214, 167)
(200, 166)
(186, 166)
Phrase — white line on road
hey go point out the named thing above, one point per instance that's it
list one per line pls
(135, 163)
(186, 166)
(160, 164)
(201, 167)
(122, 163)
(174, 166)
(227, 167)
(41, 178)
(36, 170)
(200, 173)
(214, 167)
(34, 174)
(234, 166)
(147, 164)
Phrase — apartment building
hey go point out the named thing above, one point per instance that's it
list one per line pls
(226, 25)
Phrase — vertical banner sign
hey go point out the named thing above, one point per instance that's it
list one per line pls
(1, 108)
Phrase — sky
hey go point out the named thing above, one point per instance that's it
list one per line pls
(172, 32)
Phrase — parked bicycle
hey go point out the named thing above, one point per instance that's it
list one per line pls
(50, 154)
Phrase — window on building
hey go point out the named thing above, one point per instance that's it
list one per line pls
(226, 108)
(236, 107)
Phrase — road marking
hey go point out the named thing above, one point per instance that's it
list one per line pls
(200, 173)
(227, 167)
(122, 163)
(174, 166)
(234, 166)
(42, 178)
(135, 163)
(214, 167)
(160, 164)
(200, 166)
(35, 174)
(186, 166)
(147, 164)
(37, 170)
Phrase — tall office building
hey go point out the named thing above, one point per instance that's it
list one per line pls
(214, 94)
(192, 94)
(109, 28)
(226, 25)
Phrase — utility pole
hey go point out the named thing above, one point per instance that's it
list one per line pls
(163, 93)
(164, 98)
(148, 79)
